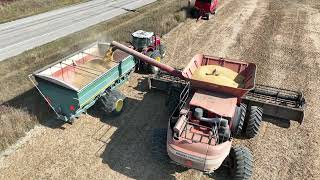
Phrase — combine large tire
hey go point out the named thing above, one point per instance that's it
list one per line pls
(112, 102)
(159, 144)
(253, 122)
(173, 99)
(241, 161)
(237, 124)
(156, 56)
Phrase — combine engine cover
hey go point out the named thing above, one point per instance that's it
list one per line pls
(201, 137)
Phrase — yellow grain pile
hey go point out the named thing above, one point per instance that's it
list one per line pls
(219, 75)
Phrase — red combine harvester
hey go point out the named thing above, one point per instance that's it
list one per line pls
(205, 116)
(203, 8)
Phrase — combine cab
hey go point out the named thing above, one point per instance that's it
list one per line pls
(203, 8)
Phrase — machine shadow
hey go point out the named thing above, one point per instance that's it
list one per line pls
(129, 149)
(278, 122)
(32, 102)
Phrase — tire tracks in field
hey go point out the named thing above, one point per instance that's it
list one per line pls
(207, 36)
(279, 48)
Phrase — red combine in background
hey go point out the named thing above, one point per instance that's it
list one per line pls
(203, 8)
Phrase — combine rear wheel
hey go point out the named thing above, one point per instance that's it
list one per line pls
(254, 121)
(241, 163)
(173, 99)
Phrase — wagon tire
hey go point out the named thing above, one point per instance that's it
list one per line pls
(241, 163)
(159, 145)
(113, 102)
(254, 121)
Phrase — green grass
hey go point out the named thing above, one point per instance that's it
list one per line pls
(15, 9)
(17, 92)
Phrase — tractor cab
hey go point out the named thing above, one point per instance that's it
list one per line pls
(148, 44)
(142, 40)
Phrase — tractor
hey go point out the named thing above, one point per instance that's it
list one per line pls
(201, 9)
(150, 45)
(210, 102)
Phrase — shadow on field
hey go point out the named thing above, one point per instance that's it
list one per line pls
(32, 102)
(278, 122)
(129, 149)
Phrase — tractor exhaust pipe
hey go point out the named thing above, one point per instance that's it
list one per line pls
(148, 60)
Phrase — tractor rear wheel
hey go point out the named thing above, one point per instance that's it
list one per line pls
(207, 16)
(156, 56)
(237, 123)
(241, 163)
(159, 144)
(254, 121)
(162, 50)
(112, 102)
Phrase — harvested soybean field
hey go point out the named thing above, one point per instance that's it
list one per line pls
(281, 36)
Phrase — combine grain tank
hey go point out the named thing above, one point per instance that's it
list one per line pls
(75, 83)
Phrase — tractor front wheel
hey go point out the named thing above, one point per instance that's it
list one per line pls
(241, 163)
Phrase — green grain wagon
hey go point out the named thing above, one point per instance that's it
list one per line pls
(75, 83)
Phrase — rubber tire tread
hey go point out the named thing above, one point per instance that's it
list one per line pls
(254, 121)
(239, 129)
(173, 99)
(107, 102)
(243, 163)
(153, 54)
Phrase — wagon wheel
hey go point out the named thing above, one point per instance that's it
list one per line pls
(112, 102)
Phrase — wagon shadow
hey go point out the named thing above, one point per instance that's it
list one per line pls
(32, 102)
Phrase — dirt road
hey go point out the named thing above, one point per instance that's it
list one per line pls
(281, 36)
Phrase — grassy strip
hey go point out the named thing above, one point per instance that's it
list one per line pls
(12, 10)
(17, 92)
